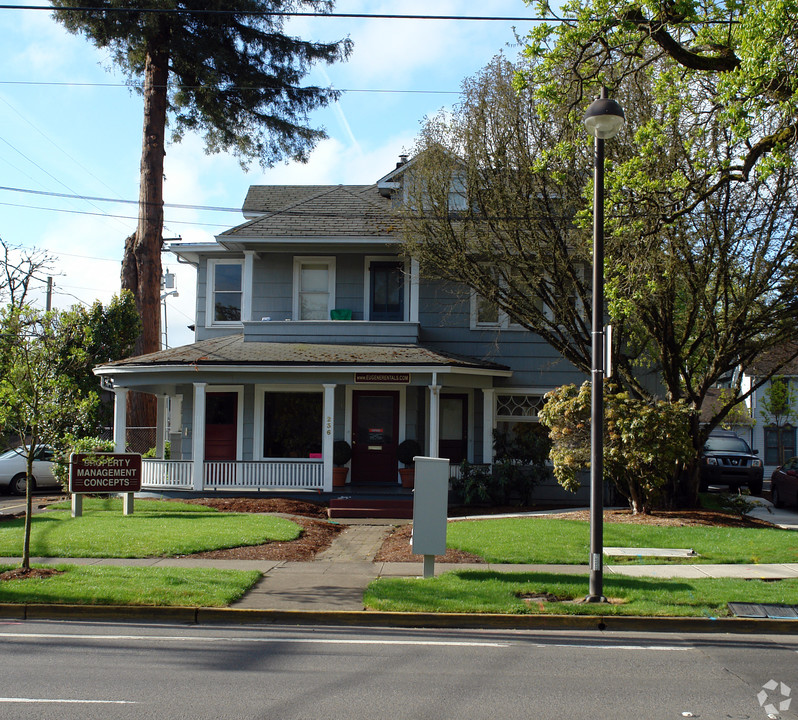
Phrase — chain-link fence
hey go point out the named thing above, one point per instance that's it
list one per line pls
(137, 440)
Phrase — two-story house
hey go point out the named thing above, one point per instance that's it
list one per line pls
(312, 327)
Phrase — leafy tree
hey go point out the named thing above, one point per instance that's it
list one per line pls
(740, 56)
(225, 70)
(647, 443)
(38, 400)
(106, 333)
(500, 200)
(779, 408)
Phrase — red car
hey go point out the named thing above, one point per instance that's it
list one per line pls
(784, 484)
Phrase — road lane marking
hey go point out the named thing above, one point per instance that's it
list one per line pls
(64, 701)
(216, 639)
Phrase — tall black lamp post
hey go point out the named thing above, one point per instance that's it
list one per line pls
(603, 119)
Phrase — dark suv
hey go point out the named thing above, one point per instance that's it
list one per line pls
(727, 459)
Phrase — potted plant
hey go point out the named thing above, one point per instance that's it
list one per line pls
(407, 450)
(342, 452)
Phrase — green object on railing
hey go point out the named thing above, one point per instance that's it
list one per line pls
(340, 314)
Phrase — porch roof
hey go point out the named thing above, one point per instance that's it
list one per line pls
(233, 350)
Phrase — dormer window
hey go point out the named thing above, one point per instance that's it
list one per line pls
(225, 296)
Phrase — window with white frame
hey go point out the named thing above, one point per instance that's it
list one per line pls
(225, 292)
(487, 314)
(517, 416)
(292, 424)
(314, 288)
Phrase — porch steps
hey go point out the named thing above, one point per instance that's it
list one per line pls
(370, 508)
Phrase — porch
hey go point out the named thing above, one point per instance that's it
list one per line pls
(287, 474)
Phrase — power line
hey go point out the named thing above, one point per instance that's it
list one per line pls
(106, 215)
(233, 87)
(90, 198)
(274, 13)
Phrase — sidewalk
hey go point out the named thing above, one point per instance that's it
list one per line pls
(336, 579)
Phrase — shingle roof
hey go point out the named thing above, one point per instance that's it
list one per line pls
(316, 211)
(764, 364)
(233, 350)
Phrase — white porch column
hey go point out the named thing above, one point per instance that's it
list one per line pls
(434, 417)
(160, 427)
(246, 282)
(120, 419)
(120, 440)
(198, 436)
(414, 287)
(328, 436)
(488, 410)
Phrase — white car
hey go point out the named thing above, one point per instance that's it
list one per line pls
(13, 467)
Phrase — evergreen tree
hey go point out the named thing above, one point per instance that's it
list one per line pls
(225, 70)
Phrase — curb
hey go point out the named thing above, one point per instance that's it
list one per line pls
(236, 616)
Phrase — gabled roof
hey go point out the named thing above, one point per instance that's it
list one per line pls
(280, 211)
(766, 362)
(234, 350)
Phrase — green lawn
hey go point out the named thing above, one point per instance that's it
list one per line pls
(477, 591)
(551, 540)
(111, 585)
(156, 529)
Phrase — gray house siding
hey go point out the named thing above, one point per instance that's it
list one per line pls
(445, 320)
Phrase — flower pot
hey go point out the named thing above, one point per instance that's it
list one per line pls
(408, 476)
(339, 476)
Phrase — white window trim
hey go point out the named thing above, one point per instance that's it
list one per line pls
(504, 321)
(367, 283)
(260, 392)
(299, 261)
(239, 390)
(210, 305)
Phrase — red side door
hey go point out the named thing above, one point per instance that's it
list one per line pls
(221, 426)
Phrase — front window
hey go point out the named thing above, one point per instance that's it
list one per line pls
(226, 291)
(779, 444)
(292, 424)
(314, 282)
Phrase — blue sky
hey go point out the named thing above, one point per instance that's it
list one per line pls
(69, 125)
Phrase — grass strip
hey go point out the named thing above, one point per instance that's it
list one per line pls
(156, 529)
(478, 591)
(531, 540)
(120, 585)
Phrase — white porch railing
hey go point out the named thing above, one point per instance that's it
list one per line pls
(287, 473)
(166, 474)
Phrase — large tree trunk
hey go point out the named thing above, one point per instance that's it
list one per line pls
(141, 267)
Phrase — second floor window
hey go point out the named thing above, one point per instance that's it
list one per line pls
(226, 291)
(314, 280)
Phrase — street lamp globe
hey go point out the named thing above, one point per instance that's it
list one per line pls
(604, 118)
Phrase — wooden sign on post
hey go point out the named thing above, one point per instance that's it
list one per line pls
(102, 473)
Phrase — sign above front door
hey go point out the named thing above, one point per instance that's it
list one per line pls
(396, 378)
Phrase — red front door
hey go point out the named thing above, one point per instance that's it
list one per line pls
(375, 426)
(221, 424)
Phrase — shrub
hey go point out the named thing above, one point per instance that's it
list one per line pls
(646, 443)
(77, 445)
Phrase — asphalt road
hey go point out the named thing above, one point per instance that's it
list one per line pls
(108, 671)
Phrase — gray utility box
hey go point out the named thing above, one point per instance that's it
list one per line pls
(430, 506)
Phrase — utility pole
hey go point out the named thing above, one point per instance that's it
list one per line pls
(49, 305)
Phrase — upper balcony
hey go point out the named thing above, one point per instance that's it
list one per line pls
(361, 332)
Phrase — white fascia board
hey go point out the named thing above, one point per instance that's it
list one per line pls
(260, 369)
(191, 252)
